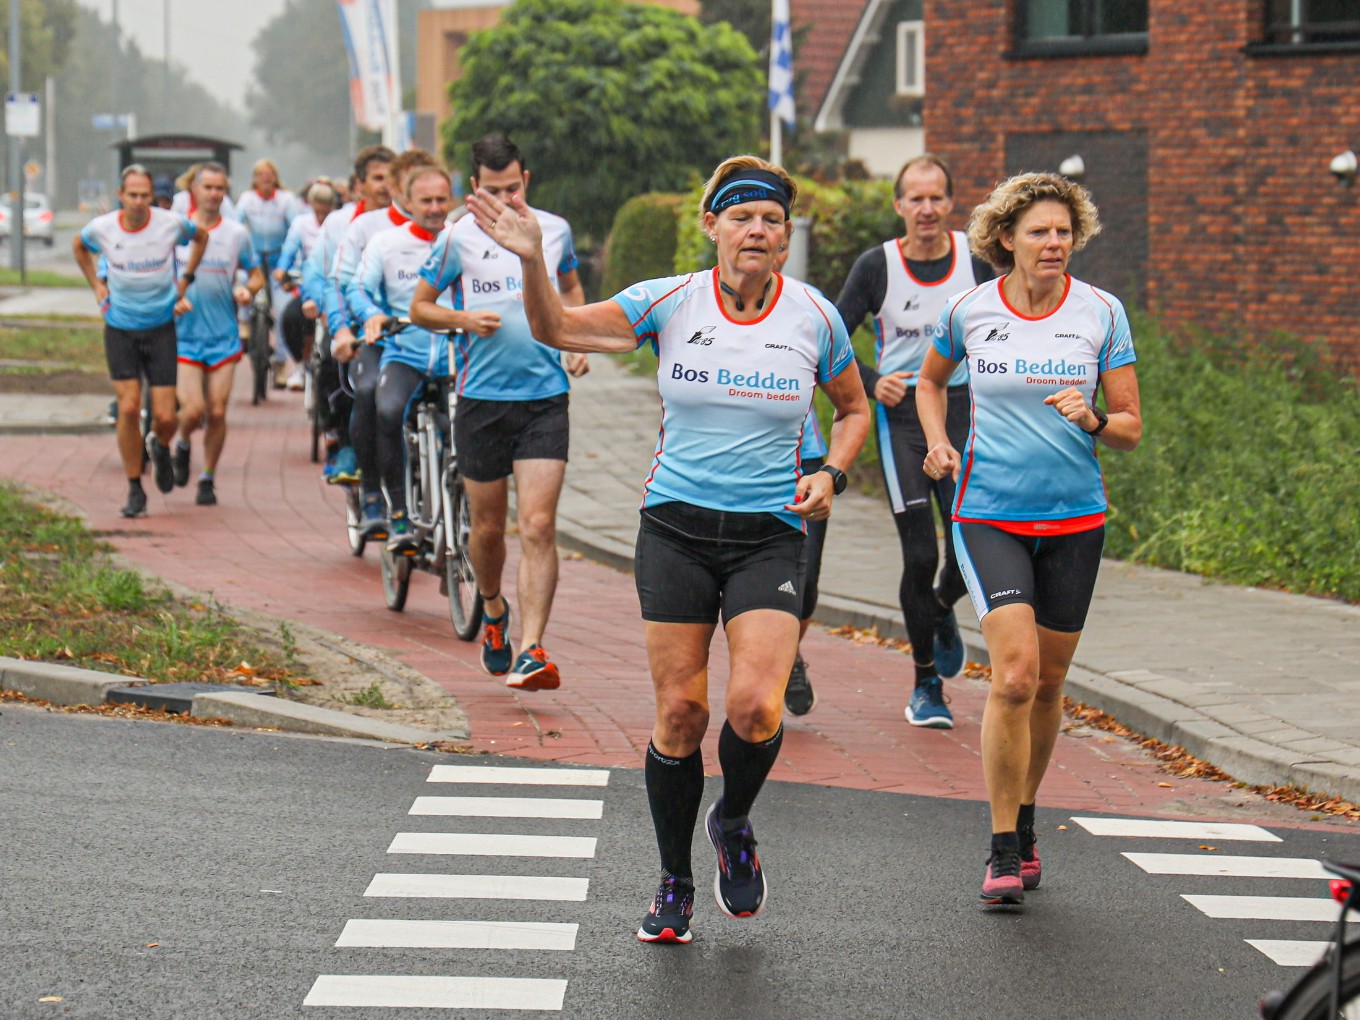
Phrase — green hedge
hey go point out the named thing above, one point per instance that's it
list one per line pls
(641, 242)
(1249, 468)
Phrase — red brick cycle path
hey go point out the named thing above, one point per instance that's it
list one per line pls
(276, 543)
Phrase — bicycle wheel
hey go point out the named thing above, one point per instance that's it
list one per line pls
(1311, 998)
(353, 516)
(396, 580)
(465, 601)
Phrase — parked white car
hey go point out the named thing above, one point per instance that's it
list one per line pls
(38, 218)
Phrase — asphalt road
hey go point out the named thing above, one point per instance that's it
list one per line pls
(158, 870)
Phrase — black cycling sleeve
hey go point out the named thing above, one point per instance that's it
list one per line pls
(863, 293)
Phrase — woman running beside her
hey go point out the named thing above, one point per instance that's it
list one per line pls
(724, 504)
(1029, 511)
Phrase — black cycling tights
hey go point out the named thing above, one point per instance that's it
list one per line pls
(397, 385)
(920, 558)
(294, 327)
(363, 424)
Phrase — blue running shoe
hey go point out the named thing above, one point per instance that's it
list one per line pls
(401, 536)
(739, 885)
(668, 920)
(928, 706)
(534, 671)
(343, 468)
(497, 655)
(949, 647)
(373, 518)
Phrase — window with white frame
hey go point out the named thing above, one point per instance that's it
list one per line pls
(911, 58)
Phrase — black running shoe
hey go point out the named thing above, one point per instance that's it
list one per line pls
(799, 697)
(207, 495)
(181, 465)
(739, 885)
(668, 920)
(162, 468)
(136, 503)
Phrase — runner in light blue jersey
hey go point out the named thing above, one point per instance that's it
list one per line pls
(133, 280)
(1029, 514)
(297, 321)
(740, 349)
(512, 409)
(209, 339)
(266, 210)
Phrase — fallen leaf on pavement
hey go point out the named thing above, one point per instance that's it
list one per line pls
(1166, 786)
(50, 998)
(152, 945)
(1202, 846)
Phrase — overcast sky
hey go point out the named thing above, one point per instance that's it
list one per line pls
(215, 48)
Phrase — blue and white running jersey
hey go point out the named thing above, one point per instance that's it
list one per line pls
(814, 445)
(361, 230)
(386, 282)
(1023, 460)
(213, 316)
(509, 364)
(303, 234)
(267, 218)
(317, 282)
(907, 322)
(140, 264)
(735, 395)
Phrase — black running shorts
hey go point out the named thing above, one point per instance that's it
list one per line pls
(902, 451)
(694, 564)
(1055, 574)
(134, 352)
(491, 435)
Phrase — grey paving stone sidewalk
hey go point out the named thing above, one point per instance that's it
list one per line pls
(1263, 684)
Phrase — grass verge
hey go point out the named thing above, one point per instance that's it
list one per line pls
(40, 278)
(63, 599)
(76, 345)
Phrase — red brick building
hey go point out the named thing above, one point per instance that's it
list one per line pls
(1206, 130)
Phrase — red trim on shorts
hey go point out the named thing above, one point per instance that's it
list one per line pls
(1039, 529)
(211, 368)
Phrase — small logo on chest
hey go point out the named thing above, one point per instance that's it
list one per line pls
(702, 337)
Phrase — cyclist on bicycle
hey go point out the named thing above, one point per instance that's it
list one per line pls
(364, 368)
(209, 341)
(138, 296)
(300, 312)
(371, 168)
(386, 279)
(512, 410)
(266, 210)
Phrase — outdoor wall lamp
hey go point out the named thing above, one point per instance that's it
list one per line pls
(1343, 167)
(1073, 167)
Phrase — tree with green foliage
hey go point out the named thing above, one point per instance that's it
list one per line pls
(46, 30)
(608, 100)
(749, 17)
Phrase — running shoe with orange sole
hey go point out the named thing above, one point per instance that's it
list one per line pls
(534, 671)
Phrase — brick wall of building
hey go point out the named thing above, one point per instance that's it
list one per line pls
(1245, 230)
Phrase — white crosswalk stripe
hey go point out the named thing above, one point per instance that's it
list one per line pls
(508, 807)
(452, 935)
(436, 992)
(1153, 828)
(1210, 864)
(478, 887)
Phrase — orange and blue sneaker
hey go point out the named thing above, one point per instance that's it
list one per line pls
(534, 671)
(496, 652)
(668, 920)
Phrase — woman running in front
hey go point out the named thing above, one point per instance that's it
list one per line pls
(1029, 511)
(724, 504)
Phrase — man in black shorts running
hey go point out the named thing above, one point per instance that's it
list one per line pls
(905, 283)
(138, 303)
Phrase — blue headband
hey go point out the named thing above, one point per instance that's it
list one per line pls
(749, 186)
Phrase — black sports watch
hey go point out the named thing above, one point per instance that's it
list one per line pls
(838, 479)
(1102, 419)
(187, 277)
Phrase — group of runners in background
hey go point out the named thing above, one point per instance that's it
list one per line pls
(984, 386)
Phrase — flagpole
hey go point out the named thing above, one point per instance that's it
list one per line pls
(776, 140)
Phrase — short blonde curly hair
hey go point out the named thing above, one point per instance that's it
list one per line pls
(1009, 200)
(735, 163)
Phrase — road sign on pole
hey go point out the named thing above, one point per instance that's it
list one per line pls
(23, 115)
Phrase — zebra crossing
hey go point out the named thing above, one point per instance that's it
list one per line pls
(470, 933)
(1316, 907)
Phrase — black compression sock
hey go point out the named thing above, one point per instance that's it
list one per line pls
(745, 766)
(1005, 841)
(675, 789)
(923, 673)
(1025, 819)
(134, 485)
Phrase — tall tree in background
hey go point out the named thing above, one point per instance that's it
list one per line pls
(749, 17)
(46, 30)
(301, 87)
(607, 99)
